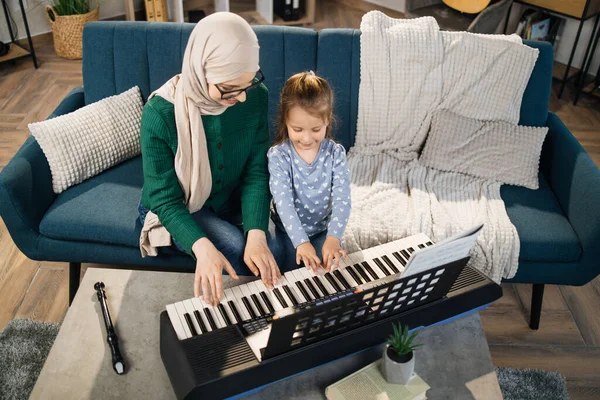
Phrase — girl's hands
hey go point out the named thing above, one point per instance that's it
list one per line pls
(308, 255)
(332, 252)
(259, 259)
(210, 263)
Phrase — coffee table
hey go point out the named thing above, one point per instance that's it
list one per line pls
(455, 359)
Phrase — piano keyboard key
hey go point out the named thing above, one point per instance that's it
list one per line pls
(176, 322)
(390, 264)
(260, 306)
(291, 295)
(219, 320)
(248, 302)
(327, 281)
(362, 273)
(354, 274)
(236, 294)
(265, 295)
(225, 302)
(198, 317)
(289, 286)
(400, 258)
(298, 281)
(281, 289)
(342, 279)
(224, 314)
(321, 286)
(180, 312)
(279, 296)
(199, 313)
(374, 274)
(332, 281)
(405, 254)
(313, 290)
(209, 317)
(234, 311)
(190, 324)
(194, 326)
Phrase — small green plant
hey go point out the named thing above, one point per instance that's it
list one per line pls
(71, 7)
(401, 341)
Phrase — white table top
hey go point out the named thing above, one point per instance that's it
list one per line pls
(79, 364)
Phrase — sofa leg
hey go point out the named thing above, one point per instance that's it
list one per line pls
(74, 276)
(536, 305)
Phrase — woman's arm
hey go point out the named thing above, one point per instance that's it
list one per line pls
(340, 194)
(162, 193)
(255, 180)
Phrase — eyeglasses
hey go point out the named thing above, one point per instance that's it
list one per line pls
(232, 94)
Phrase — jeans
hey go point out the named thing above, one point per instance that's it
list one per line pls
(227, 235)
(316, 240)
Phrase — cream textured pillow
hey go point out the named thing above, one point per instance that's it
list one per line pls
(499, 151)
(92, 139)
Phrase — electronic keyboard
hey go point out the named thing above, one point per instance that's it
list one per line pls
(258, 335)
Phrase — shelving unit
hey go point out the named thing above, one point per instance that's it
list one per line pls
(579, 10)
(16, 51)
(263, 14)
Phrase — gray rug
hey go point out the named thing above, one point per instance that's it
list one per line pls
(531, 384)
(24, 346)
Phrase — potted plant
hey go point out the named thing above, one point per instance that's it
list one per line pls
(398, 362)
(67, 18)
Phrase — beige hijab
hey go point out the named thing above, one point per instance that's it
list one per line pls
(221, 48)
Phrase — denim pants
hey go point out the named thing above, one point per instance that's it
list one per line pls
(316, 240)
(227, 235)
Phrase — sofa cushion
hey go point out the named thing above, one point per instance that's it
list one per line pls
(544, 231)
(84, 143)
(102, 209)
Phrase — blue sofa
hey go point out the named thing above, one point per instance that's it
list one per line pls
(96, 221)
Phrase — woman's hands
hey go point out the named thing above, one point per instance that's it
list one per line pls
(259, 259)
(332, 252)
(308, 255)
(210, 263)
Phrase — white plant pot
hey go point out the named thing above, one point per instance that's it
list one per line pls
(397, 370)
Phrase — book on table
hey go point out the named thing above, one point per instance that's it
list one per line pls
(368, 383)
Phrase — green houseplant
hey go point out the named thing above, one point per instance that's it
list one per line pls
(67, 18)
(398, 362)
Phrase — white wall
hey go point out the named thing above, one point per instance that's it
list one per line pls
(38, 23)
(565, 42)
(396, 5)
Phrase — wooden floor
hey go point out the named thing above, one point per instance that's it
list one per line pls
(568, 340)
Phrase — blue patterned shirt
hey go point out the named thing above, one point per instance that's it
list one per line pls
(310, 198)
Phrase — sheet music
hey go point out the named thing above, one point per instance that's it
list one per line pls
(444, 252)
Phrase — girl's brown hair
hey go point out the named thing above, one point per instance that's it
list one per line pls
(310, 92)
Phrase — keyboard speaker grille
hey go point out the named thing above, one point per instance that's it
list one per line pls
(208, 358)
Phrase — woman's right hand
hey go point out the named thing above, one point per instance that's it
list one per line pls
(210, 263)
(308, 255)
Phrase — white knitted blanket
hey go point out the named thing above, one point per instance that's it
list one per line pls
(409, 70)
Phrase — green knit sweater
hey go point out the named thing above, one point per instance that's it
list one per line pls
(237, 143)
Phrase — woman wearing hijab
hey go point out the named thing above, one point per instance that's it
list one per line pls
(204, 139)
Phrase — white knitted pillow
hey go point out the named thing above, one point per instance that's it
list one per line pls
(92, 139)
(496, 150)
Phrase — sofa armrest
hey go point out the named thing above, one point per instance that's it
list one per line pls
(575, 181)
(74, 101)
(26, 186)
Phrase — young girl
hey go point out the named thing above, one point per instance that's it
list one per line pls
(309, 178)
